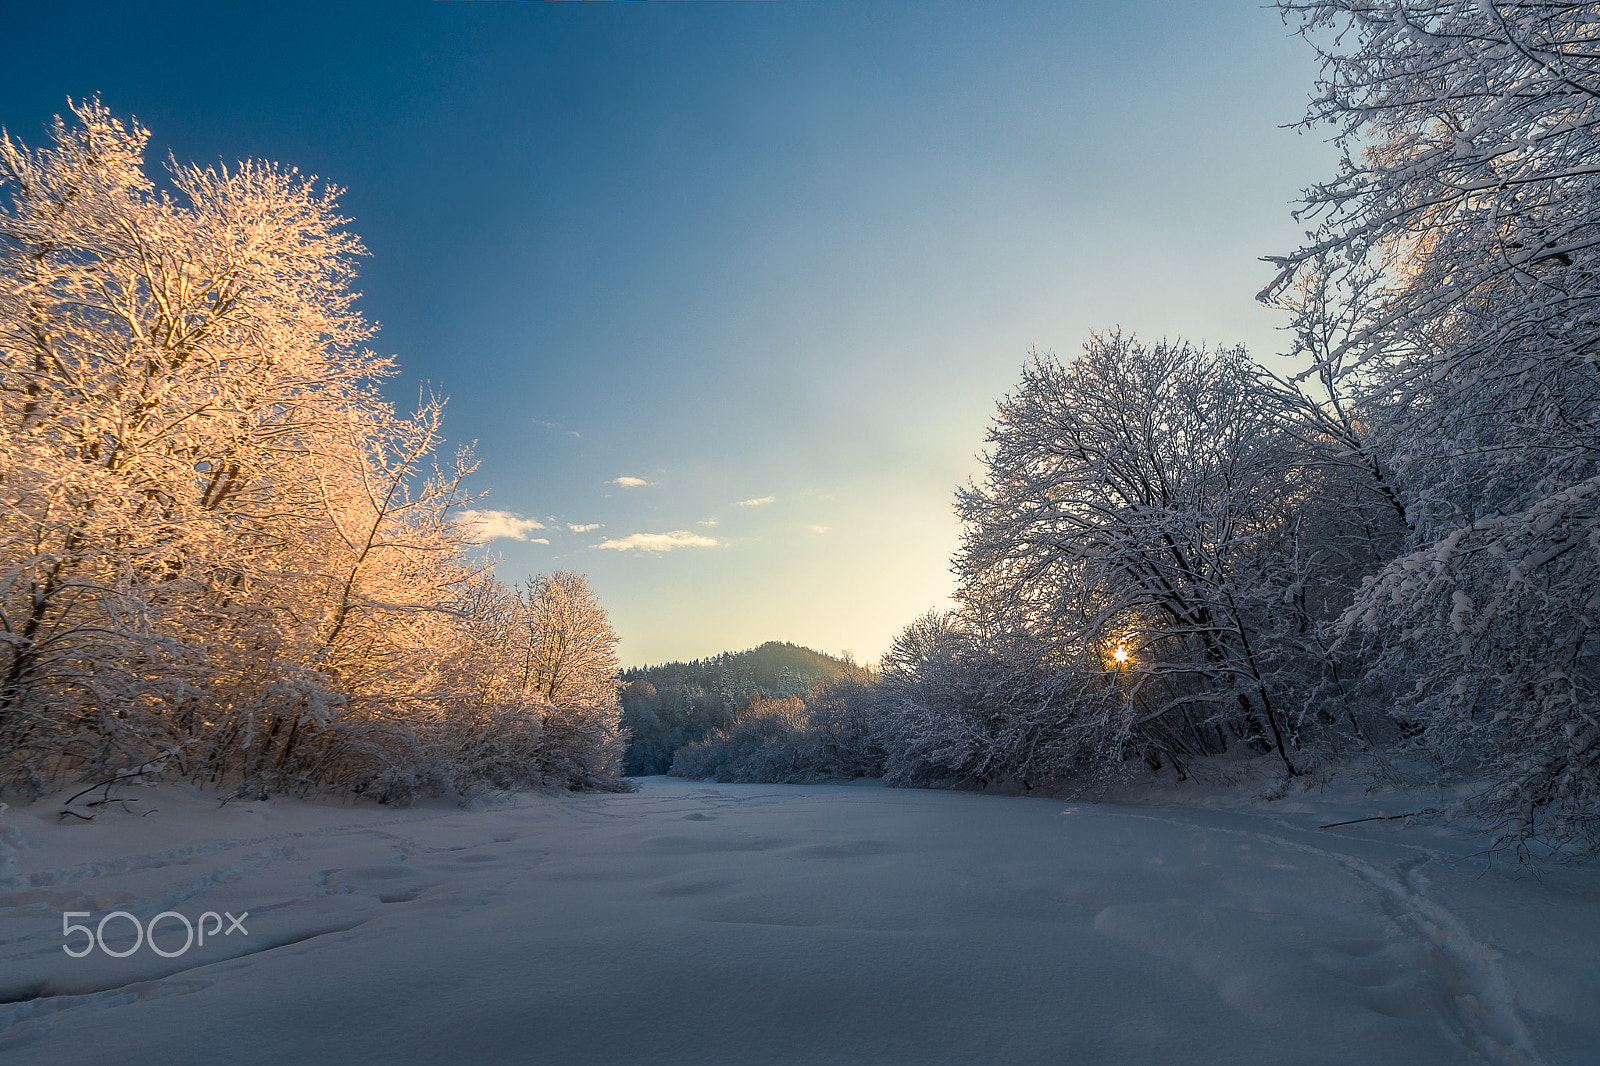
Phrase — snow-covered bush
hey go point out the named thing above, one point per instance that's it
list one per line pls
(953, 711)
(1493, 632)
(843, 720)
(768, 741)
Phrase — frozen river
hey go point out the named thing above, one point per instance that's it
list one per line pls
(754, 924)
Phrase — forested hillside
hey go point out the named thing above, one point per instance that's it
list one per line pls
(665, 707)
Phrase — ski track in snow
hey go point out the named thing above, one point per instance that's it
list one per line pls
(1483, 1014)
(1271, 934)
(1484, 1007)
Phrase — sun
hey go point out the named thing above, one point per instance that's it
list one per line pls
(1121, 654)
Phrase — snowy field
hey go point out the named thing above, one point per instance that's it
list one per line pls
(696, 923)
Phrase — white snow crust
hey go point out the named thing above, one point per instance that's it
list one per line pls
(710, 923)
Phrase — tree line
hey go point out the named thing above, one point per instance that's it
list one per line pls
(1174, 551)
(224, 557)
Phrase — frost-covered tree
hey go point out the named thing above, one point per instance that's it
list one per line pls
(570, 652)
(216, 534)
(1466, 209)
(568, 664)
(1139, 515)
(222, 553)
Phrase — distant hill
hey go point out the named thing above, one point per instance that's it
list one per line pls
(668, 706)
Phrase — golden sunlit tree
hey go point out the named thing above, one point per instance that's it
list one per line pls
(570, 650)
(222, 553)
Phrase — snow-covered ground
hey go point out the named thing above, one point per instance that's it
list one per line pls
(698, 923)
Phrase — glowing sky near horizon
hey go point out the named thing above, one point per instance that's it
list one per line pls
(726, 293)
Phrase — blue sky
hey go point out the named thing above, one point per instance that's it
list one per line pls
(775, 261)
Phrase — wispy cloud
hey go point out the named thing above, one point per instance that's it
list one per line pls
(709, 522)
(628, 482)
(557, 427)
(660, 542)
(539, 540)
(584, 528)
(484, 526)
(757, 502)
(818, 529)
